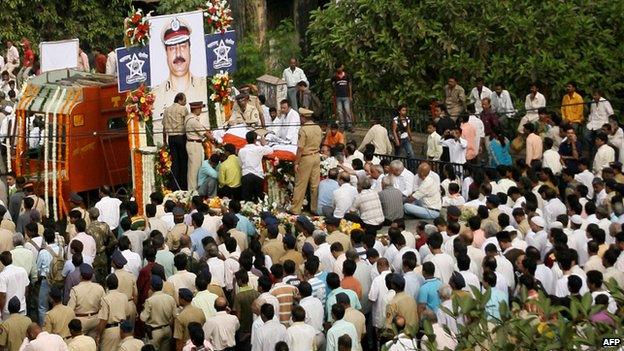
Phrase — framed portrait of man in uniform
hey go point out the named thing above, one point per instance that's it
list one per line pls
(178, 60)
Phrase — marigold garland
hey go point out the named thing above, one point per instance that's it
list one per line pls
(137, 27)
(139, 104)
(218, 15)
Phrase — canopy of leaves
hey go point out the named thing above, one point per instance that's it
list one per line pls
(403, 50)
(98, 24)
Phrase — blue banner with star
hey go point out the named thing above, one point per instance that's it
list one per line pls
(133, 67)
(221, 52)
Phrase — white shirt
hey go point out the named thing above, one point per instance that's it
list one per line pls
(46, 342)
(221, 330)
(603, 157)
(314, 312)
(434, 149)
(599, 113)
(601, 197)
(504, 267)
(404, 182)
(12, 55)
(586, 177)
(250, 157)
(109, 211)
(111, 63)
(266, 114)
(343, 199)
(269, 334)
(552, 209)
(288, 127)
(444, 266)
(479, 127)
(502, 104)
(457, 149)
(217, 269)
(532, 105)
(13, 282)
(537, 240)
(551, 159)
(376, 296)
(617, 139)
(427, 191)
(134, 262)
(470, 279)
(89, 247)
(300, 337)
(561, 289)
(475, 97)
(325, 256)
(579, 237)
(293, 77)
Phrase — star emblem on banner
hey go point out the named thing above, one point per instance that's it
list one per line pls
(135, 66)
(222, 51)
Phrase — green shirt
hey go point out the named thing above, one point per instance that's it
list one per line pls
(242, 304)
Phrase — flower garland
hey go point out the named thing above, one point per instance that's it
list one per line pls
(218, 15)
(222, 86)
(137, 27)
(162, 166)
(139, 104)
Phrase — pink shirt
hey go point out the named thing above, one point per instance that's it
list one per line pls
(89, 251)
(478, 237)
(533, 148)
(470, 134)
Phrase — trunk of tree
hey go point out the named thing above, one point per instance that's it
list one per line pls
(250, 19)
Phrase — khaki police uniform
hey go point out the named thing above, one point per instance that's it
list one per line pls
(113, 311)
(81, 343)
(39, 205)
(402, 305)
(173, 126)
(188, 315)
(8, 225)
(174, 235)
(250, 116)
(158, 313)
(342, 238)
(127, 286)
(57, 320)
(195, 131)
(71, 228)
(85, 300)
(130, 344)
(13, 331)
(310, 137)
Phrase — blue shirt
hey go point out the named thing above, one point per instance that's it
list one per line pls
(205, 171)
(497, 297)
(319, 286)
(340, 328)
(354, 301)
(45, 259)
(245, 225)
(428, 294)
(326, 193)
(196, 240)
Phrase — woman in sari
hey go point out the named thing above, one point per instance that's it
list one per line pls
(498, 150)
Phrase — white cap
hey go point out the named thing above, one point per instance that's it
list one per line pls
(576, 219)
(538, 221)
(8, 110)
(556, 224)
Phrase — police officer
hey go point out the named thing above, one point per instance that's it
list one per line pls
(173, 136)
(308, 162)
(126, 284)
(188, 315)
(13, 330)
(128, 342)
(245, 112)
(85, 300)
(57, 319)
(195, 134)
(158, 314)
(179, 229)
(112, 312)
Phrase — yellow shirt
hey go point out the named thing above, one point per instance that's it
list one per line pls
(572, 108)
(230, 172)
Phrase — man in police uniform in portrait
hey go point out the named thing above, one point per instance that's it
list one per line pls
(176, 37)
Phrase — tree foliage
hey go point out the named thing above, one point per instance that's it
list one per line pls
(403, 50)
(96, 23)
(178, 6)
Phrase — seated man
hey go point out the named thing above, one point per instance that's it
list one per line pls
(246, 113)
(425, 202)
(334, 137)
(207, 177)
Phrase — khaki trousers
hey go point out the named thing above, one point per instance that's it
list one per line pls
(309, 173)
(161, 339)
(110, 339)
(89, 325)
(195, 153)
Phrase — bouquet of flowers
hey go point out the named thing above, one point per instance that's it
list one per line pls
(222, 86)
(181, 197)
(348, 226)
(218, 15)
(139, 104)
(137, 27)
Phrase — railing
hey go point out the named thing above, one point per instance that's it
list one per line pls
(437, 166)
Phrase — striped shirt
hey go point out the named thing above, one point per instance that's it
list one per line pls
(319, 286)
(285, 294)
(368, 205)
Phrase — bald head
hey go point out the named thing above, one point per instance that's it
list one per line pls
(382, 264)
(220, 304)
(33, 330)
(185, 241)
(423, 170)
(466, 237)
(345, 177)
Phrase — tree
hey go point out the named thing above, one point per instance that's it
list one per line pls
(403, 50)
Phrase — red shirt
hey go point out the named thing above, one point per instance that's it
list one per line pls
(29, 58)
(352, 284)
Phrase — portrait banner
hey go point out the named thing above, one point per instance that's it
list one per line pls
(133, 68)
(178, 60)
(221, 52)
